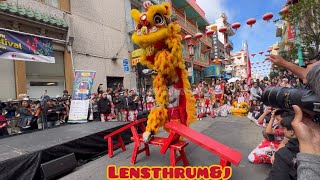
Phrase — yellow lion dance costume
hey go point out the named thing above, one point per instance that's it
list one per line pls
(162, 47)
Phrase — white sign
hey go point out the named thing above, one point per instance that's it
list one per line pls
(78, 111)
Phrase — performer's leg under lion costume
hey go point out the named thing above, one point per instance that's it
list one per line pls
(162, 47)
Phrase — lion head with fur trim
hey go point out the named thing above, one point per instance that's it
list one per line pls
(154, 32)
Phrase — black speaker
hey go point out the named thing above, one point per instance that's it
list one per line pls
(58, 167)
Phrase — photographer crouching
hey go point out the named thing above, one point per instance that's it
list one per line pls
(306, 121)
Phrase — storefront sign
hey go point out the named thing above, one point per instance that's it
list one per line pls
(15, 46)
(126, 66)
(291, 36)
(78, 111)
(212, 71)
(135, 61)
(137, 53)
(82, 85)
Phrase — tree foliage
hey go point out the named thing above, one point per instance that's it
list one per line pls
(306, 14)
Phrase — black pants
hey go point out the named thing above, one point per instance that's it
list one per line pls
(4, 131)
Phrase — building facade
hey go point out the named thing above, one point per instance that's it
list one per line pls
(94, 36)
(192, 20)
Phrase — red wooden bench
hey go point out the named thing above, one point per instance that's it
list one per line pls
(158, 141)
(117, 132)
(227, 155)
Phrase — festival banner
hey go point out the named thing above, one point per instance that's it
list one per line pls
(15, 46)
(82, 85)
(291, 34)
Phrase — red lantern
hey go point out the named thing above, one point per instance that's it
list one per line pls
(222, 29)
(267, 16)
(210, 32)
(232, 58)
(253, 54)
(269, 50)
(239, 57)
(276, 48)
(188, 37)
(284, 10)
(236, 25)
(261, 52)
(251, 21)
(257, 62)
(198, 35)
(267, 55)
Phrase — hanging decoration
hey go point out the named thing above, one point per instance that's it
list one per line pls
(198, 35)
(251, 21)
(188, 37)
(261, 52)
(239, 57)
(284, 10)
(269, 50)
(276, 48)
(222, 29)
(253, 54)
(210, 32)
(267, 16)
(236, 25)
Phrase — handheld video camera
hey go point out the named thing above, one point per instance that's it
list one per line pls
(285, 98)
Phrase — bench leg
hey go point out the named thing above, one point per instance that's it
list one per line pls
(184, 157)
(146, 146)
(110, 147)
(137, 151)
(224, 163)
(121, 143)
(134, 154)
(172, 137)
(173, 161)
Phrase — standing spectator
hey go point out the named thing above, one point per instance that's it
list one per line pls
(117, 106)
(3, 123)
(104, 107)
(132, 101)
(95, 110)
(65, 94)
(255, 92)
(125, 106)
(100, 89)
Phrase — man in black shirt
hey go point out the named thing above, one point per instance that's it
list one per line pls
(104, 107)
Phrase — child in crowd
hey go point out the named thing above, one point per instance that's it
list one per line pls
(150, 101)
(254, 110)
(284, 165)
(273, 135)
(199, 109)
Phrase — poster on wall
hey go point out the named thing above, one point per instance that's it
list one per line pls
(82, 85)
(15, 46)
(78, 111)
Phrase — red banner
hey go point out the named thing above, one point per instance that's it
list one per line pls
(291, 36)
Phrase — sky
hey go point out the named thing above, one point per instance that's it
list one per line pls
(260, 36)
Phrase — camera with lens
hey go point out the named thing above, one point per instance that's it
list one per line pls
(285, 98)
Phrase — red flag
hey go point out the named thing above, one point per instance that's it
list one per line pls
(248, 66)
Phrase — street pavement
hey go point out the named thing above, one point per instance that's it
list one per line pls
(237, 132)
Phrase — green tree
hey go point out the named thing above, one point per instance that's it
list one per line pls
(306, 14)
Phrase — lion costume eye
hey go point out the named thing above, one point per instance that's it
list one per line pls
(158, 19)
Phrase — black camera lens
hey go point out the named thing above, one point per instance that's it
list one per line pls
(283, 97)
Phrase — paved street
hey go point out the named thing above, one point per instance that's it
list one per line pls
(238, 133)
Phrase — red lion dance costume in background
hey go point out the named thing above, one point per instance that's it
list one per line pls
(161, 42)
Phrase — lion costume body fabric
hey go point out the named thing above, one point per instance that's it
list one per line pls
(162, 47)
